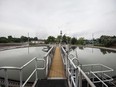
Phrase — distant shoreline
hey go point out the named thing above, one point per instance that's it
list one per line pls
(100, 47)
(107, 48)
(9, 46)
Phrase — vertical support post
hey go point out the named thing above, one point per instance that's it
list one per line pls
(21, 80)
(67, 63)
(92, 74)
(76, 79)
(36, 69)
(102, 75)
(80, 77)
(87, 84)
(47, 66)
(68, 67)
(71, 75)
(6, 78)
(66, 59)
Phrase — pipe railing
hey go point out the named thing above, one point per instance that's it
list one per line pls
(48, 59)
(48, 56)
(74, 72)
(100, 74)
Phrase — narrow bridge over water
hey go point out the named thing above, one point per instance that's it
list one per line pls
(62, 70)
(57, 66)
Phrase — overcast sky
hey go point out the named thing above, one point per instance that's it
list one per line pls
(41, 18)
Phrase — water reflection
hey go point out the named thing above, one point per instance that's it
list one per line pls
(28, 49)
(81, 48)
(88, 55)
(73, 47)
(18, 57)
(104, 51)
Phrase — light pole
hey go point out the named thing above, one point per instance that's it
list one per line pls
(93, 38)
(28, 39)
(61, 36)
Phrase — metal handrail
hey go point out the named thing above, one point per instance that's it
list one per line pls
(75, 72)
(5, 68)
(17, 68)
(87, 78)
(46, 57)
(99, 79)
(49, 52)
(28, 78)
(75, 81)
(104, 69)
(10, 68)
(28, 63)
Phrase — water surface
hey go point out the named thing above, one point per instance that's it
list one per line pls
(97, 56)
(17, 58)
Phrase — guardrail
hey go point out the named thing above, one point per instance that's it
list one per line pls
(75, 74)
(47, 61)
(99, 74)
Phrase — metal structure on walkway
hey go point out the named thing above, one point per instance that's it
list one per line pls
(74, 72)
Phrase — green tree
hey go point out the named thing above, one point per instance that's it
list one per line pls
(50, 39)
(68, 39)
(23, 39)
(16, 40)
(10, 39)
(35, 38)
(58, 39)
(105, 40)
(64, 39)
(3, 40)
(81, 41)
(73, 41)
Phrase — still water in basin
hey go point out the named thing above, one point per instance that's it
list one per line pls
(17, 58)
(97, 56)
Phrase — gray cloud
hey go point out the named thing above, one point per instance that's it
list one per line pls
(79, 18)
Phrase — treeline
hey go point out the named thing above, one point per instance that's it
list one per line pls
(104, 40)
(64, 40)
(107, 40)
(11, 39)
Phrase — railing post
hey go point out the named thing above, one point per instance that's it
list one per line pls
(65, 57)
(76, 79)
(80, 80)
(72, 73)
(47, 66)
(68, 67)
(67, 63)
(36, 76)
(6, 78)
(21, 80)
(80, 77)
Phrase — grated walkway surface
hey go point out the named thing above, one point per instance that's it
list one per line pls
(57, 67)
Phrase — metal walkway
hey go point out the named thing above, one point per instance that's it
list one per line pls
(57, 66)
